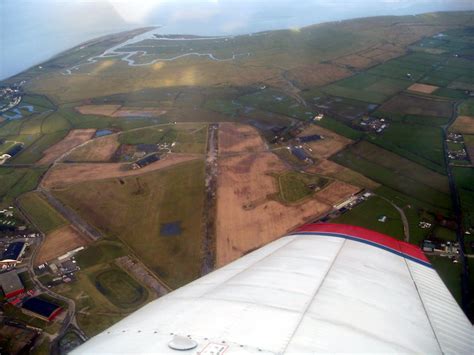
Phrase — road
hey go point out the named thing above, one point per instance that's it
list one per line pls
(210, 200)
(70, 215)
(456, 203)
(70, 318)
(406, 226)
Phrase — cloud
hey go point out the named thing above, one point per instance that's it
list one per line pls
(138, 11)
(135, 11)
(194, 14)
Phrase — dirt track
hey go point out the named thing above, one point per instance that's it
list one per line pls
(73, 139)
(64, 174)
(104, 110)
(119, 111)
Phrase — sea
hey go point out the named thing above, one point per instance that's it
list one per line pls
(32, 31)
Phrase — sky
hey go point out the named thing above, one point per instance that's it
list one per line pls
(214, 17)
(31, 31)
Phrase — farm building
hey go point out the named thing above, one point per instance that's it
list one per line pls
(40, 308)
(11, 284)
(145, 161)
(15, 150)
(300, 154)
(312, 138)
(147, 148)
(13, 254)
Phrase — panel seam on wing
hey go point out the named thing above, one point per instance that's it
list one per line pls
(313, 297)
(423, 305)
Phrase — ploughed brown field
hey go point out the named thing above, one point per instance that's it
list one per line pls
(329, 145)
(423, 88)
(337, 192)
(65, 174)
(99, 149)
(463, 124)
(59, 242)
(247, 216)
(73, 139)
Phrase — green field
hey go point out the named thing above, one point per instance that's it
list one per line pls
(119, 288)
(395, 180)
(133, 209)
(367, 87)
(451, 93)
(41, 213)
(294, 186)
(450, 273)
(100, 252)
(150, 135)
(367, 214)
(96, 311)
(419, 143)
(399, 68)
(277, 102)
(188, 138)
(467, 108)
(227, 107)
(34, 152)
(16, 181)
(464, 178)
(397, 173)
(415, 211)
(422, 120)
(444, 234)
(339, 128)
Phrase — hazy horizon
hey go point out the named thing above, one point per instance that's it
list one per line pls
(34, 31)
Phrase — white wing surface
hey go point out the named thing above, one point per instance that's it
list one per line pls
(325, 288)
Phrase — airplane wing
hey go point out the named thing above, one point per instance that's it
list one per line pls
(324, 288)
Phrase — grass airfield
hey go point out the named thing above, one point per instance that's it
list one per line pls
(271, 80)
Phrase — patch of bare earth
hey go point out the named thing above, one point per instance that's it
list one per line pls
(334, 170)
(59, 242)
(235, 138)
(103, 110)
(423, 88)
(73, 139)
(138, 111)
(463, 124)
(247, 215)
(317, 75)
(329, 145)
(337, 192)
(99, 149)
(70, 173)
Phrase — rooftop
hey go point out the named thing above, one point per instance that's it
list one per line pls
(11, 284)
(41, 307)
(13, 251)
